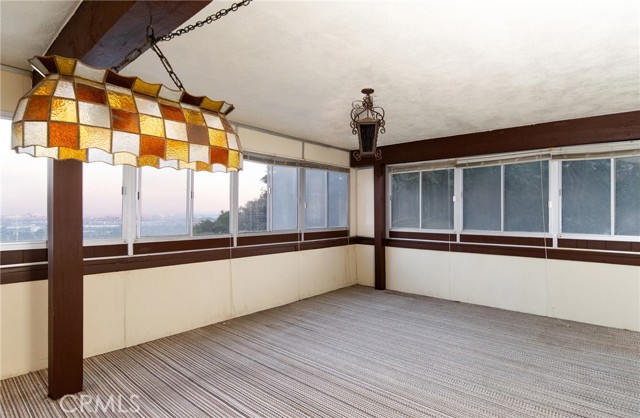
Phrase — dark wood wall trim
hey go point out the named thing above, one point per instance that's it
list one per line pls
(425, 236)
(361, 240)
(631, 246)
(23, 256)
(40, 255)
(507, 240)
(325, 243)
(590, 130)
(180, 245)
(267, 239)
(520, 251)
(32, 272)
(19, 274)
(310, 236)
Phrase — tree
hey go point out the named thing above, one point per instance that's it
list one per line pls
(209, 226)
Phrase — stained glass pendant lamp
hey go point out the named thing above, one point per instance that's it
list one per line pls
(88, 114)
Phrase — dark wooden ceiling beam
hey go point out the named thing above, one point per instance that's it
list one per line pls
(101, 34)
(583, 131)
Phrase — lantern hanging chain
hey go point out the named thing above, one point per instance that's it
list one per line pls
(152, 41)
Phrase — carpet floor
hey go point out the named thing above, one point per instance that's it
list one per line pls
(358, 352)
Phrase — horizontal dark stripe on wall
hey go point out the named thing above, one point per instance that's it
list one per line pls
(110, 265)
(310, 236)
(591, 130)
(267, 239)
(266, 249)
(426, 236)
(507, 240)
(515, 251)
(23, 256)
(41, 254)
(17, 274)
(361, 240)
(97, 251)
(180, 245)
(632, 246)
(326, 243)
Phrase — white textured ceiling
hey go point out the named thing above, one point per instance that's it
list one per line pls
(439, 68)
(29, 27)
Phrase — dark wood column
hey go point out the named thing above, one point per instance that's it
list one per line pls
(379, 224)
(65, 277)
(100, 33)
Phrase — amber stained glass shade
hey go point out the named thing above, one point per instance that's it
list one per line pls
(92, 114)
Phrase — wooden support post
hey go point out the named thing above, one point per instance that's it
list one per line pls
(379, 224)
(65, 277)
(100, 33)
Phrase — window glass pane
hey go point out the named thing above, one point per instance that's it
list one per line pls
(405, 200)
(338, 196)
(163, 202)
(482, 196)
(628, 196)
(284, 185)
(101, 201)
(211, 200)
(23, 201)
(526, 196)
(437, 199)
(586, 196)
(252, 197)
(315, 198)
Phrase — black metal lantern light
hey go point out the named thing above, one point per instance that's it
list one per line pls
(366, 122)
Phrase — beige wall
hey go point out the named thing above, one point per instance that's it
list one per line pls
(13, 85)
(131, 307)
(595, 293)
(364, 202)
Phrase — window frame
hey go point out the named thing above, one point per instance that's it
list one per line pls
(612, 178)
(303, 227)
(502, 232)
(419, 170)
(554, 158)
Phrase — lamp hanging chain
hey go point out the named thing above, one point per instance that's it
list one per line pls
(152, 41)
(165, 62)
(210, 19)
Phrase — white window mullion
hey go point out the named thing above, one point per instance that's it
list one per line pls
(301, 200)
(613, 196)
(419, 199)
(233, 212)
(129, 206)
(269, 197)
(458, 202)
(326, 199)
(554, 200)
(190, 195)
(389, 201)
(502, 192)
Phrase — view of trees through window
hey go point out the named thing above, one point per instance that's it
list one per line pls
(211, 203)
(252, 202)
